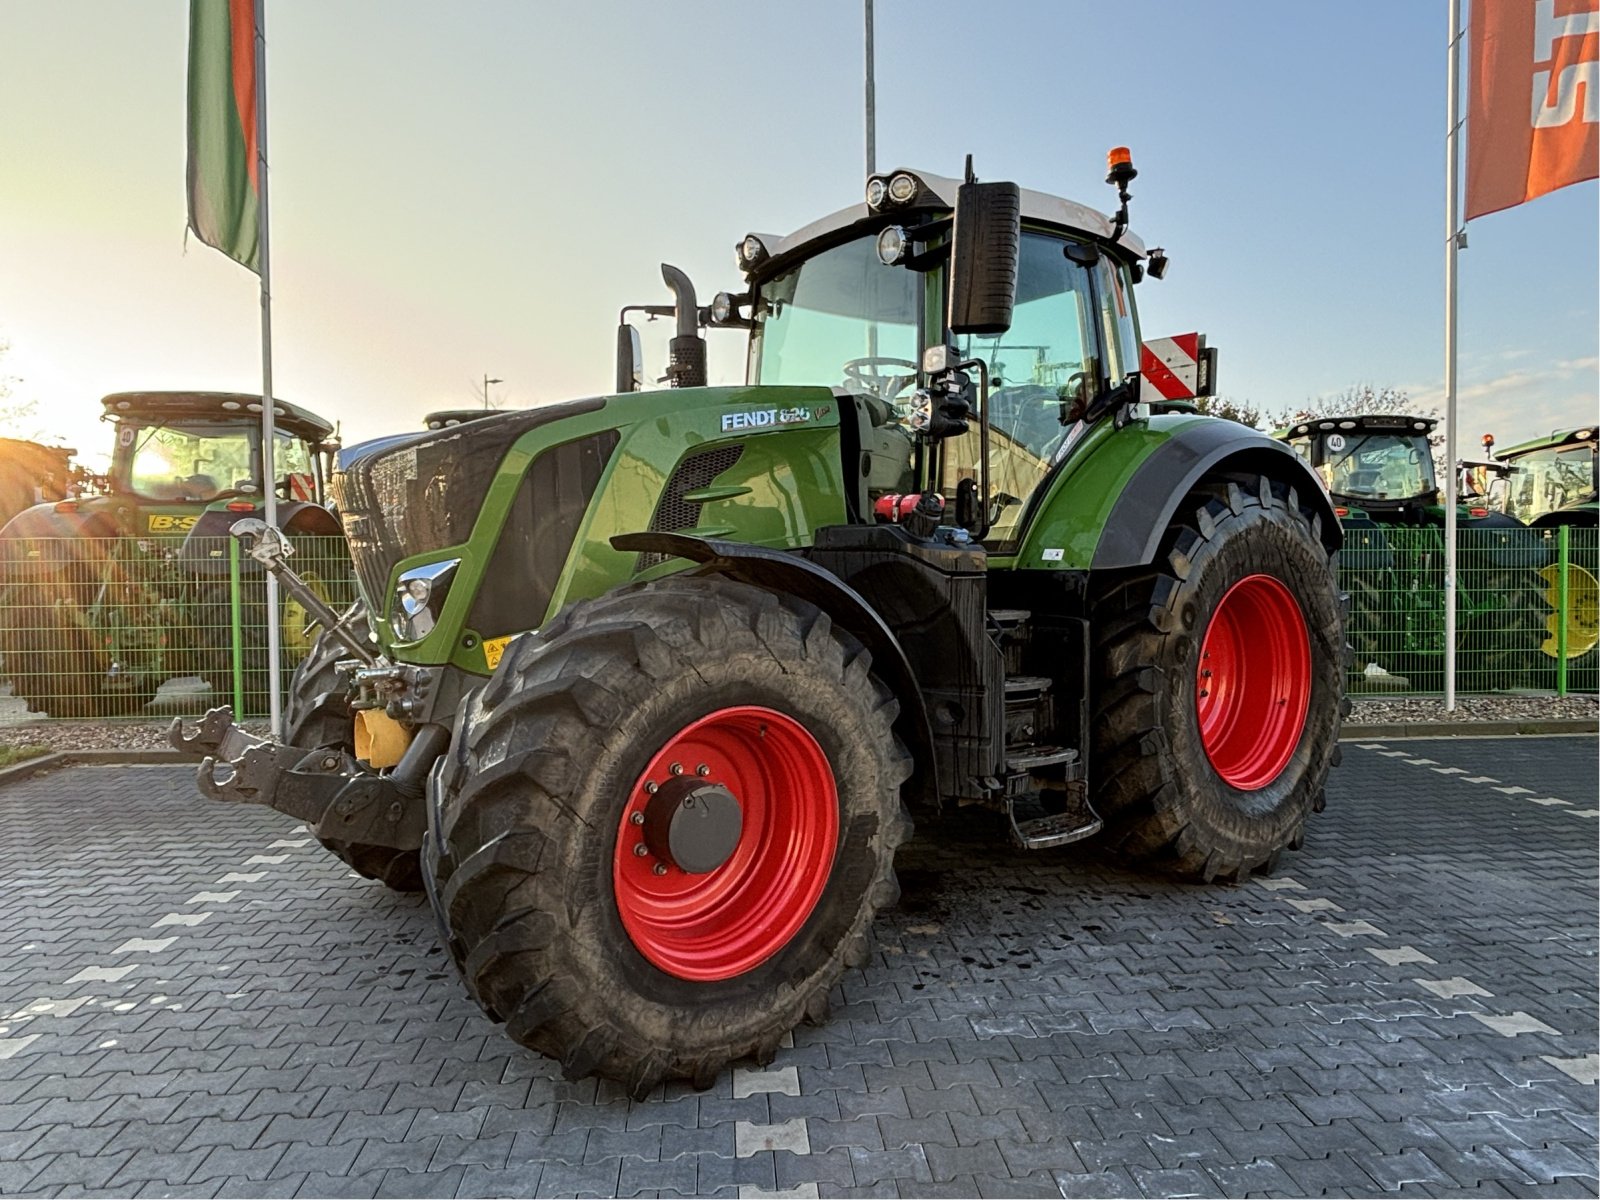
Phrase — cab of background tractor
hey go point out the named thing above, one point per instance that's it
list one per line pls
(1380, 465)
(1552, 480)
(197, 448)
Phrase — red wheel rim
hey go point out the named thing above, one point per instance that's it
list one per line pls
(1253, 684)
(731, 919)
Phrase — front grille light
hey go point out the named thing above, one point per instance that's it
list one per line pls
(419, 598)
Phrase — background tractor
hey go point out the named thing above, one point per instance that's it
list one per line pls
(1552, 483)
(1379, 473)
(108, 595)
(655, 681)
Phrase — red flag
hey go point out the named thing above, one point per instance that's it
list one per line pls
(1533, 122)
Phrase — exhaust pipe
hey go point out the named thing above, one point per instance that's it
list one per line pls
(686, 353)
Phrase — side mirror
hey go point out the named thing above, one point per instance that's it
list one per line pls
(984, 240)
(630, 359)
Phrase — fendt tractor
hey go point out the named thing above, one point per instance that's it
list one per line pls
(1379, 473)
(1551, 482)
(105, 596)
(655, 681)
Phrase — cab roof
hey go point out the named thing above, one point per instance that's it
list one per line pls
(939, 192)
(1561, 437)
(217, 406)
(1369, 423)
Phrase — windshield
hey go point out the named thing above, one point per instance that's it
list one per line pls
(1547, 480)
(841, 319)
(1377, 466)
(203, 460)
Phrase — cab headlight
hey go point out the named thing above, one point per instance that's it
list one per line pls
(419, 598)
(891, 245)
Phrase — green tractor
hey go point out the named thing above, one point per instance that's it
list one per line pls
(1379, 473)
(106, 596)
(1549, 483)
(649, 685)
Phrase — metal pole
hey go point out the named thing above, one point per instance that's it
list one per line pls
(1563, 604)
(236, 625)
(872, 100)
(268, 422)
(1452, 229)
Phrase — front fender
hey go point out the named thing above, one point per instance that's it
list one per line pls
(786, 573)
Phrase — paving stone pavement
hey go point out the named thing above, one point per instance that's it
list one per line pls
(199, 1001)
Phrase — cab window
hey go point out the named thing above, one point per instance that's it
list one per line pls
(189, 461)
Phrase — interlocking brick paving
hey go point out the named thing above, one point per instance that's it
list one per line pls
(197, 1000)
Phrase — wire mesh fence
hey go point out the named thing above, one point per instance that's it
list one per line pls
(103, 628)
(1525, 608)
(138, 627)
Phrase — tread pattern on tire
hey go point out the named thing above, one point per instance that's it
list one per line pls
(1162, 804)
(521, 838)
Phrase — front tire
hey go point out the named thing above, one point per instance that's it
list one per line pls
(318, 717)
(629, 964)
(1219, 685)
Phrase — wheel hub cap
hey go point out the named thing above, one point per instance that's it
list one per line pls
(692, 825)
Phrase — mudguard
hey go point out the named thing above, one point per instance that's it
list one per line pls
(781, 571)
(204, 549)
(1142, 513)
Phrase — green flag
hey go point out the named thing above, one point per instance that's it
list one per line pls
(224, 188)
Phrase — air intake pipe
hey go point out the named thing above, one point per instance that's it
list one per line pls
(686, 354)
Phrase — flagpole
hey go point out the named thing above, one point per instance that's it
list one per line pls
(268, 417)
(1452, 224)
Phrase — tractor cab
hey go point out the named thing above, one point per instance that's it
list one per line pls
(1379, 465)
(1553, 480)
(971, 332)
(179, 452)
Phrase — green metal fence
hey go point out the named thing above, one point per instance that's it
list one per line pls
(1525, 616)
(137, 627)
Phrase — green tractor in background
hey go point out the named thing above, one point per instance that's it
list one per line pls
(1379, 472)
(1549, 483)
(106, 596)
(648, 686)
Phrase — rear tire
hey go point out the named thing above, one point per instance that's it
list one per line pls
(1161, 785)
(552, 917)
(318, 717)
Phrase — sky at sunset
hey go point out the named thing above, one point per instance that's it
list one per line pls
(476, 188)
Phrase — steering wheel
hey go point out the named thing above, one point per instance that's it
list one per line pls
(865, 373)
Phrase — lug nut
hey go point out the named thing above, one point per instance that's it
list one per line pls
(650, 789)
(640, 850)
(676, 768)
(660, 868)
(637, 818)
(702, 770)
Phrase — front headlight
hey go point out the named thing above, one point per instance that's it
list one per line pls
(419, 598)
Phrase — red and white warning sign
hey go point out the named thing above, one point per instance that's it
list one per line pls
(302, 486)
(1180, 367)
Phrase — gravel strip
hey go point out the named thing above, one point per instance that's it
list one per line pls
(152, 735)
(99, 735)
(1371, 711)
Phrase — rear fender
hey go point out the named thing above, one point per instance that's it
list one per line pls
(787, 574)
(204, 549)
(1144, 511)
(44, 543)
